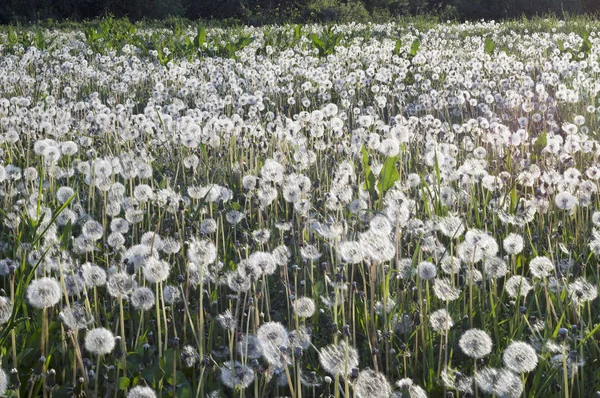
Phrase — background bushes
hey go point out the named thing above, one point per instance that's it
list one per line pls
(274, 11)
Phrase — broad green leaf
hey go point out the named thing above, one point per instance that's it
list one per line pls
(124, 383)
(65, 237)
(297, 32)
(489, 46)
(586, 47)
(398, 47)
(316, 40)
(540, 143)
(414, 48)
(318, 287)
(388, 174)
(200, 38)
(184, 392)
(369, 177)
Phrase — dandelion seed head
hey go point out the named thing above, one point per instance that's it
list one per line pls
(137, 255)
(92, 230)
(208, 226)
(582, 291)
(202, 252)
(120, 284)
(74, 284)
(520, 357)
(457, 381)
(304, 307)
(475, 343)
(565, 200)
(450, 226)
(541, 267)
(380, 225)
(376, 248)
(310, 253)
(3, 382)
(156, 270)
(93, 275)
(281, 255)
(143, 193)
(311, 379)
(426, 270)
(263, 261)
(272, 336)
(234, 217)
(227, 321)
(76, 317)
(300, 337)
(444, 290)
(63, 194)
(450, 265)
(6, 309)
(171, 294)
(189, 356)
(414, 391)
(334, 360)
(573, 360)
(513, 244)
(142, 298)
(235, 375)
(250, 347)
(238, 281)
(43, 293)
(115, 240)
(372, 384)
(99, 341)
(141, 392)
(120, 225)
(494, 267)
(249, 182)
(499, 382)
(517, 285)
(440, 320)
(350, 252)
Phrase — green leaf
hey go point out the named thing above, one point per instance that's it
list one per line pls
(318, 287)
(65, 237)
(586, 47)
(297, 32)
(200, 38)
(369, 177)
(489, 46)
(585, 35)
(414, 48)
(540, 143)
(184, 392)
(388, 174)
(398, 47)
(124, 383)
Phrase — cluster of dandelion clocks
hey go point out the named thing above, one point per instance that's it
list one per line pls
(411, 214)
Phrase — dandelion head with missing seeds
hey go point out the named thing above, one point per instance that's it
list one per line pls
(338, 359)
(372, 384)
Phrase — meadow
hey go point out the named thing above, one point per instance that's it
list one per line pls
(406, 209)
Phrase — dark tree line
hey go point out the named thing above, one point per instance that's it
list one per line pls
(265, 11)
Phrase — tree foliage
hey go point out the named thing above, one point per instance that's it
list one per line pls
(269, 11)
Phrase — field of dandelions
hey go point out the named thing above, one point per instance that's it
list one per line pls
(371, 211)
